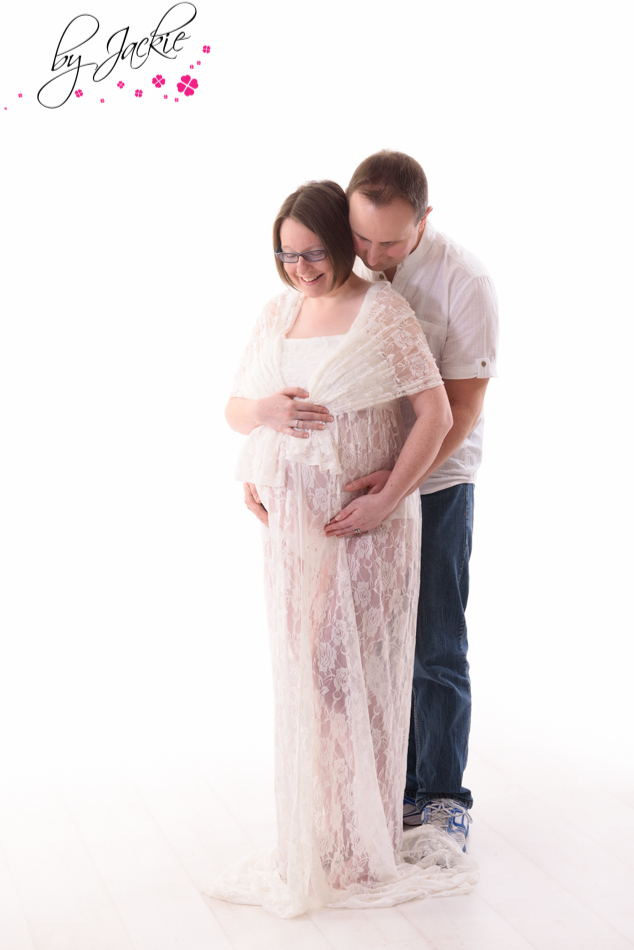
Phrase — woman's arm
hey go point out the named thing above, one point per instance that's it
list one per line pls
(279, 411)
(433, 422)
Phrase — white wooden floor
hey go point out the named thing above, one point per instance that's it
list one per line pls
(120, 865)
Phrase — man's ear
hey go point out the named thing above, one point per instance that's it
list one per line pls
(421, 223)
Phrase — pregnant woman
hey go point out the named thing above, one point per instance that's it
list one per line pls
(317, 392)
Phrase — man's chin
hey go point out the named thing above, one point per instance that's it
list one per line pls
(375, 268)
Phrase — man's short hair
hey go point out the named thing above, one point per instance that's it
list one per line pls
(388, 175)
(322, 207)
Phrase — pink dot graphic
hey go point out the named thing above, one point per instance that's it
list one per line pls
(120, 84)
(138, 93)
(102, 100)
(158, 81)
(78, 93)
(206, 49)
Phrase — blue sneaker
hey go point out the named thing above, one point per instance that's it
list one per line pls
(451, 816)
(411, 814)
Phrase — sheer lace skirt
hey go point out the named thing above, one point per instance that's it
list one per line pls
(342, 620)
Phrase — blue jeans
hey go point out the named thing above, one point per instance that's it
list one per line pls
(441, 691)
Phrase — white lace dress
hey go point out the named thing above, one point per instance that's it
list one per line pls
(342, 619)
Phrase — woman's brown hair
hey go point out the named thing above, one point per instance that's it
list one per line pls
(322, 207)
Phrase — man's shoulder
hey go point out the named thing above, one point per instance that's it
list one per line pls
(445, 251)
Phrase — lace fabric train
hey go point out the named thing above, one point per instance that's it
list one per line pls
(342, 617)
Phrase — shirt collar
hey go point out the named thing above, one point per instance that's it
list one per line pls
(414, 260)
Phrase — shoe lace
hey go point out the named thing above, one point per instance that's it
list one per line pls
(443, 809)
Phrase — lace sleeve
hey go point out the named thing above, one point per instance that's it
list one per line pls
(263, 327)
(406, 349)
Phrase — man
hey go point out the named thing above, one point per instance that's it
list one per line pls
(453, 297)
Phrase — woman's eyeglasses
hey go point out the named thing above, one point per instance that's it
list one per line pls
(290, 257)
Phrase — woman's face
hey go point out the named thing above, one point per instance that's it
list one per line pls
(313, 278)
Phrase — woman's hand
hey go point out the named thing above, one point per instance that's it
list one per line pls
(363, 513)
(284, 414)
(253, 503)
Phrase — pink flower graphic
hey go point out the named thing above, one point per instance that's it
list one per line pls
(165, 97)
(198, 62)
(158, 81)
(120, 84)
(138, 93)
(191, 65)
(78, 93)
(206, 49)
(19, 95)
(102, 100)
(176, 99)
(187, 85)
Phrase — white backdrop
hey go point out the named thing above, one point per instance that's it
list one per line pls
(136, 256)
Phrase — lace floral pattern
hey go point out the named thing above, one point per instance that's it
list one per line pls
(342, 617)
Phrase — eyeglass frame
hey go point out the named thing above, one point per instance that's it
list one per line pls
(297, 254)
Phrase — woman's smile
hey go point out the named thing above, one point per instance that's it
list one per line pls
(297, 238)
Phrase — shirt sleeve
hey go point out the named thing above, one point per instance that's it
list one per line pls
(470, 349)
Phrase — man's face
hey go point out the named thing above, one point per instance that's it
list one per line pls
(385, 236)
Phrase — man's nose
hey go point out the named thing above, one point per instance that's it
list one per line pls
(373, 255)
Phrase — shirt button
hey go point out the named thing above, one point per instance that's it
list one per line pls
(382, 276)
(483, 363)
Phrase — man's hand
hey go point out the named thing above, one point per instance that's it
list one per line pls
(363, 513)
(253, 503)
(373, 483)
(363, 516)
(286, 414)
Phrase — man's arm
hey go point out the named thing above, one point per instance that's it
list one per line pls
(433, 422)
(466, 398)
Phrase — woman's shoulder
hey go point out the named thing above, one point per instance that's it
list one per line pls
(278, 307)
(389, 302)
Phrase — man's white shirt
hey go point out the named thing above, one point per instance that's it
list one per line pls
(453, 297)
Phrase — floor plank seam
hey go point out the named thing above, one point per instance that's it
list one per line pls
(19, 896)
(96, 870)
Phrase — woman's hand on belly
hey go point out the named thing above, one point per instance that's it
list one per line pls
(284, 412)
(253, 503)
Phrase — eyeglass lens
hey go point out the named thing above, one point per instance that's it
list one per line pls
(288, 257)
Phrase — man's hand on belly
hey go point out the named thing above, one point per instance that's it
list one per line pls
(372, 483)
